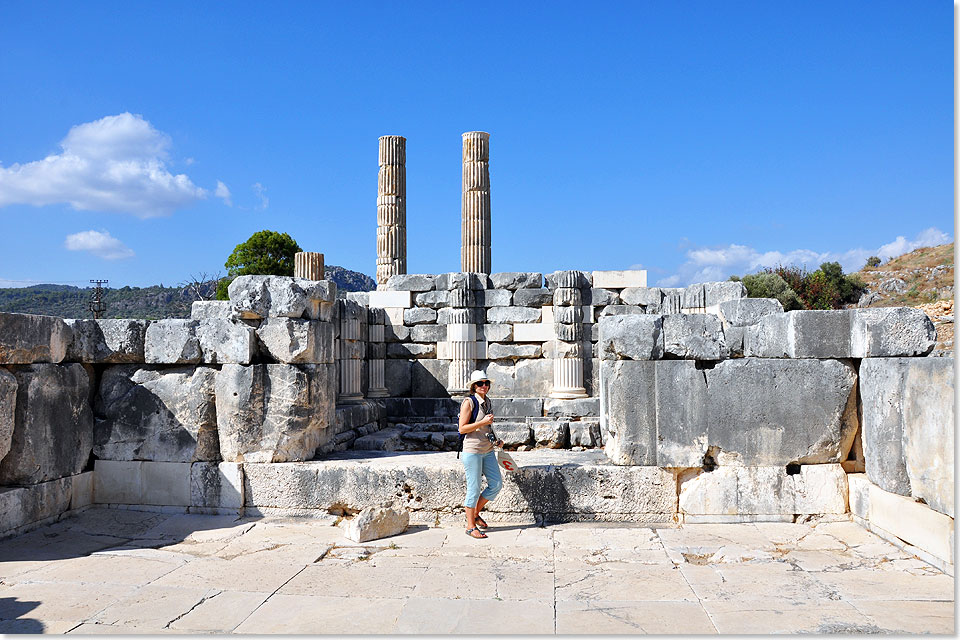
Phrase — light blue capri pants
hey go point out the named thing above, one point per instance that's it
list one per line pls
(477, 464)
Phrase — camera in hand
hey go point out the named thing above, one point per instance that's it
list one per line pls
(492, 438)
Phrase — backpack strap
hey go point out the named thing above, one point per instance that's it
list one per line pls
(473, 418)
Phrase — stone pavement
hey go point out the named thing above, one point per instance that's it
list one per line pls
(117, 571)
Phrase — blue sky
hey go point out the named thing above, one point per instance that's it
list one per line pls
(142, 142)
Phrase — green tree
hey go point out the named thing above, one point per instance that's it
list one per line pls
(873, 261)
(265, 253)
(772, 285)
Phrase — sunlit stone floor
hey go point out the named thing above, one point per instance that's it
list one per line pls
(115, 571)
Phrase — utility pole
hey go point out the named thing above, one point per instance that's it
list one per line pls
(96, 304)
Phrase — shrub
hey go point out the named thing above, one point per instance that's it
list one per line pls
(873, 261)
(771, 285)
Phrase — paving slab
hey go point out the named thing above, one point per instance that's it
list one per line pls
(289, 614)
(152, 607)
(219, 612)
(592, 617)
(899, 616)
(787, 617)
(475, 617)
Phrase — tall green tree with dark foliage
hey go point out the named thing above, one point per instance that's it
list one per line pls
(265, 253)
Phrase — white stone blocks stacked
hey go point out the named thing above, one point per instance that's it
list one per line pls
(391, 208)
(106, 341)
(475, 224)
(212, 341)
(159, 414)
(258, 297)
(296, 341)
(26, 339)
(908, 427)
(200, 487)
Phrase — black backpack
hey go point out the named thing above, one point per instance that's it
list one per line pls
(473, 418)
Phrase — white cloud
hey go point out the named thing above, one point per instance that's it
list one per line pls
(705, 264)
(115, 164)
(223, 192)
(99, 243)
(259, 190)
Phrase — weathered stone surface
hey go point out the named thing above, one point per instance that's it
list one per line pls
(743, 312)
(634, 337)
(429, 378)
(8, 408)
(552, 435)
(517, 407)
(578, 408)
(428, 333)
(411, 350)
(494, 298)
(569, 278)
(53, 424)
(411, 282)
(395, 332)
(512, 314)
(273, 412)
(908, 427)
(620, 279)
(528, 378)
(462, 280)
(769, 338)
(210, 309)
(495, 332)
(226, 341)
(497, 351)
(106, 341)
(628, 416)
(643, 296)
(374, 523)
(21, 506)
(432, 299)
(708, 295)
(532, 297)
(601, 297)
(682, 406)
(585, 433)
(513, 434)
(418, 315)
(216, 486)
(172, 341)
(693, 336)
(892, 331)
(290, 340)
(27, 338)
(156, 414)
(450, 315)
(515, 281)
(733, 338)
(622, 310)
(397, 377)
(255, 297)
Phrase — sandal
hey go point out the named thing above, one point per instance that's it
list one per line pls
(472, 532)
(480, 522)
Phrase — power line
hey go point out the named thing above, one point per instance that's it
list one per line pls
(96, 299)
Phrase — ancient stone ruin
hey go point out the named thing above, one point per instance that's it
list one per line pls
(622, 402)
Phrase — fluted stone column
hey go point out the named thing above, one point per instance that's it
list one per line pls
(376, 353)
(309, 265)
(568, 325)
(351, 352)
(475, 221)
(392, 208)
(462, 338)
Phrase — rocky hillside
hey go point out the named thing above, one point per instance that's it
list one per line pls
(149, 303)
(923, 279)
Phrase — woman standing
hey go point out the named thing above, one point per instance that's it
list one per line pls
(478, 456)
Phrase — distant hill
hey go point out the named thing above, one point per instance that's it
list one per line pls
(149, 303)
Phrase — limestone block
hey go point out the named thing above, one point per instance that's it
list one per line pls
(106, 341)
(881, 393)
(912, 522)
(395, 332)
(351, 349)
(694, 337)
(769, 338)
(459, 332)
(513, 281)
(116, 482)
(892, 331)
(172, 341)
(273, 412)
(643, 296)
(774, 412)
(156, 414)
(533, 332)
(411, 282)
(743, 312)
(620, 279)
(513, 434)
(628, 415)
(27, 338)
(451, 315)
(390, 299)
(165, 483)
(291, 340)
(22, 506)
(733, 338)
(527, 378)
(859, 494)
(374, 523)
(462, 280)
(552, 435)
(568, 279)
(210, 309)
(53, 424)
(681, 414)
(517, 407)
(8, 409)
(495, 332)
(81, 489)
(497, 315)
(584, 433)
(621, 310)
(765, 490)
(577, 408)
(560, 349)
(601, 297)
(929, 430)
(432, 299)
(497, 351)
(376, 351)
(709, 492)
(747, 491)
(428, 333)
(719, 292)
(634, 337)
(411, 350)
(568, 315)
(532, 297)
(225, 341)
(397, 377)
(821, 488)
(418, 315)
(394, 315)
(360, 297)
(495, 298)
(255, 297)
(429, 378)
(821, 334)
(218, 486)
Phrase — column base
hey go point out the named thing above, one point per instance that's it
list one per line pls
(353, 398)
(569, 394)
(378, 393)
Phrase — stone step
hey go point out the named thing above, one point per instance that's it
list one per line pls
(384, 440)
